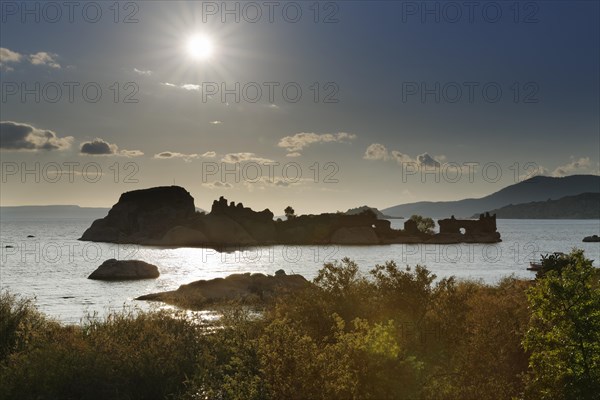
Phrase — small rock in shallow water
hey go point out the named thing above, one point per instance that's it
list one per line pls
(115, 270)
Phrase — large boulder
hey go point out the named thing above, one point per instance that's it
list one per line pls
(143, 214)
(115, 270)
(222, 230)
(355, 235)
(183, 236)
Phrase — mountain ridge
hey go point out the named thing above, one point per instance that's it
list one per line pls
(538, 188)
(581, 206)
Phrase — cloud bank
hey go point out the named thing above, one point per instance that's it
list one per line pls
(19, 136)
(8, 58)
(298, 142)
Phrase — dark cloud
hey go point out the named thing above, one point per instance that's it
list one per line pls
(100, 147)
(18, 136)
(428, 161)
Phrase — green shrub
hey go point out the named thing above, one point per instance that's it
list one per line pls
(20, 324)
(396, 333)
(564, 330)
(126, 356)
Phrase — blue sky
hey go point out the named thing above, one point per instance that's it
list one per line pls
(401, 101)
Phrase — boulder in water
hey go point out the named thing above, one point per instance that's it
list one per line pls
(115, 270)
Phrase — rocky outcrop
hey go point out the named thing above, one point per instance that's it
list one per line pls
(259, 225)
(115, 270)
(591, 239)
(355, 235)
(223, 230)
(247, 288)
(166, 216)
(143, 215)
(183, 236)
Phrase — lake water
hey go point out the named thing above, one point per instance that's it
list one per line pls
(53, 266)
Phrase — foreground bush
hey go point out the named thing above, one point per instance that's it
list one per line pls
(564, 331)
(20, 324)
(397, 333)
(126, 356)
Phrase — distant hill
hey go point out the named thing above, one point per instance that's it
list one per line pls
(54, 212)
(538, 188)
(582, 206)
(358, 210)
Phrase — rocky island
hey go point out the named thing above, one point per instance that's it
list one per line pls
(251, 289)
(166, 216)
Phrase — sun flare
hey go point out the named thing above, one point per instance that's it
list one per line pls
(200, 47)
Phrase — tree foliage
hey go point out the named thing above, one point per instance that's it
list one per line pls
(289, 212)
(424, 224)
(564, 330)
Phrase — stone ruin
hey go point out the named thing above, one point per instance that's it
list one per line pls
(485, 225)
(238, 211)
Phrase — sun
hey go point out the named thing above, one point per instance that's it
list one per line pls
(200, 47)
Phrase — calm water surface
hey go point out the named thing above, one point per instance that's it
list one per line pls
(53, 266)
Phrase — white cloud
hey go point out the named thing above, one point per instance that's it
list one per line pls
(209, 154)
(583, 164)
(131, 153)
(300, 141)
(401, 157)
(7, 57)
(190, 86)
(265, 182)
(44, 58)
(144, 72)
(233, 158)
(376, 151)
(166, 155)
(217, 185)
(216, 122)
(294, 154)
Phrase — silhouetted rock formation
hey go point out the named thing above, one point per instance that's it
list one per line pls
(247, 288)
(257, 225)
(591, 239)
(165, 216)
(114, 270)
(142, 215)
